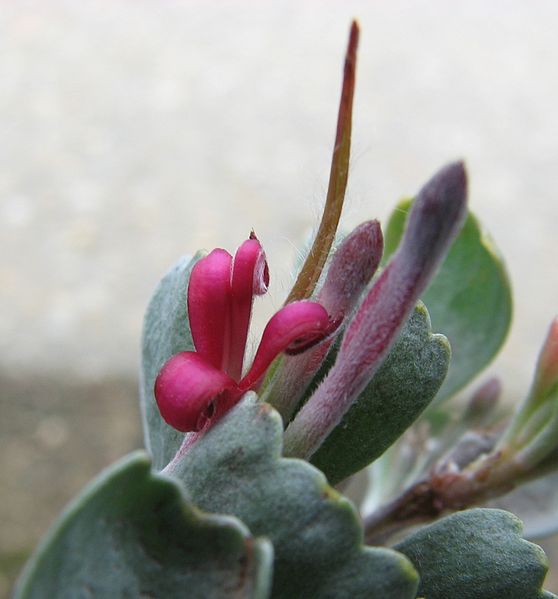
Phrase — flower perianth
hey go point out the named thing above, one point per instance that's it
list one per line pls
(250, 277)
(209, 297)
(295, 328)
(220, 294)
(435, 219)
(194, 389)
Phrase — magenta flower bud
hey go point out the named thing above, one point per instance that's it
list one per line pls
(250, 277)
(208, 306)
(220, 296)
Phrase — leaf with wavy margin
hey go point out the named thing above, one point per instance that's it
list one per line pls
(131, 533)
(398, 393)
(236, 468)
(476, 554)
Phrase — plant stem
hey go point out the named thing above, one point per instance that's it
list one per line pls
(339, 172)
(414, 506)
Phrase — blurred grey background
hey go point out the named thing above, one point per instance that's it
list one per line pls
(135, 131)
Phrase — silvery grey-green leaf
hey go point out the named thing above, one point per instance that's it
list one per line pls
(398, 393)
(131, 533)
(166, 331)
(476, 554)
(236, 468)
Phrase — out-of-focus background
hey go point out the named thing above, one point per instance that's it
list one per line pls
(135, 131)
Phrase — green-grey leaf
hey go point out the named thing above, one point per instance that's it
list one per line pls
(131, 533)
(469, 300)
(237, 468)
(401, 389)
(476, 554)
(166, 331)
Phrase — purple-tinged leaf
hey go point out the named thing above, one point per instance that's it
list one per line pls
(434, 221)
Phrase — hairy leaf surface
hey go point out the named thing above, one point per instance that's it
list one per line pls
(476, 554)
(398, 393)
(469, 300)
(131, 533)
(237, 468)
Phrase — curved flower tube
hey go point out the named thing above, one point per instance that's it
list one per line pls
(293, 329)
(194, 389)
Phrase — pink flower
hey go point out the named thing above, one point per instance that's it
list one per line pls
(194, 389)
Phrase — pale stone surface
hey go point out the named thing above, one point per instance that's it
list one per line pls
(134, 131)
